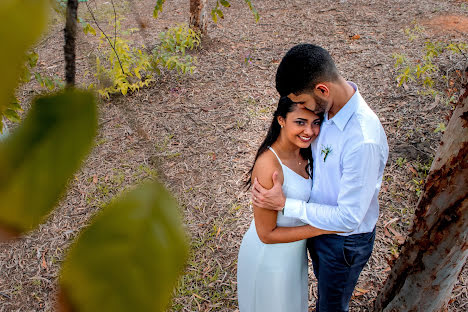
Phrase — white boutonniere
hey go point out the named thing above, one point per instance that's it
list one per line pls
(326, 150)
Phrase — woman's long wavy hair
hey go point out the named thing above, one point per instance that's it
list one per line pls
(285, 106)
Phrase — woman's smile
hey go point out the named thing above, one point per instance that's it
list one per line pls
(305, 139)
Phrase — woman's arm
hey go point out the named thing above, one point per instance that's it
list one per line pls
(265, 219)
(270, 233)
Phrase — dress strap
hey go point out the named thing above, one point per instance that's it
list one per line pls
(271, 149)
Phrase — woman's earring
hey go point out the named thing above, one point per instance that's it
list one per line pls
(281, 126)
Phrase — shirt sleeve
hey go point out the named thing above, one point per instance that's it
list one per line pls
(359, 180)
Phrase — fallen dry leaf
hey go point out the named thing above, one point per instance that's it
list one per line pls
(400, 238)
(43, 262)
(387, 233)
(410, 168)
(361, 290)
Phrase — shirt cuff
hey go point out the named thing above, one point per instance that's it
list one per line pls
(292, 207)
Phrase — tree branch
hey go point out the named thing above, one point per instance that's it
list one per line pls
(70, 42)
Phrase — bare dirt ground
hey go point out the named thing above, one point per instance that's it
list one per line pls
(198, 135)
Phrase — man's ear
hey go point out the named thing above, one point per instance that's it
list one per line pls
(322, 90)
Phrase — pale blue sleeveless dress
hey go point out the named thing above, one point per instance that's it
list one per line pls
(273, 277)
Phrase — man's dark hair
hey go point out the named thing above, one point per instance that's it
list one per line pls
(303, 67)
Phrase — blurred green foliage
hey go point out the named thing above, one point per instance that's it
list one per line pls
(21, 24)
(130, 255)
(129, 258)
(38, 158)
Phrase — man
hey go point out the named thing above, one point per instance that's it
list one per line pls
(349, 155)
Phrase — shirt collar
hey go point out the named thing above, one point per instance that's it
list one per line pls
(344, 114)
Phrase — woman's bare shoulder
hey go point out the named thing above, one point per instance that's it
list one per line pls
(265, 165)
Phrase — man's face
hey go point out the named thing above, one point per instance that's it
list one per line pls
(312, 102)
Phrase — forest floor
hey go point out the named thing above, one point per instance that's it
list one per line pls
(198, 134)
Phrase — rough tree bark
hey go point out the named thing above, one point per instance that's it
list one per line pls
(70, 42)
(433, 255)
(198, 19)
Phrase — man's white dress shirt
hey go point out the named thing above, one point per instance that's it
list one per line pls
(349, 155)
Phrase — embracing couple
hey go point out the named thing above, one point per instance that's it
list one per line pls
(315, 182)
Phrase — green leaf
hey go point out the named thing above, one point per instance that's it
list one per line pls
(49, 83)
(12, 115)
(11, 112)
(21, 24)
(32, 59)
(158, 8)
(137, 73)
(58, 82)
(440, 127)
(25, 75)
(39, 79)
(88, 29)
(214, 16)
(256, 15)
(129, 258)
(155, 12)
(124, 89)
(253, 10)
(14, 104)
(41, 155)
(225, 3)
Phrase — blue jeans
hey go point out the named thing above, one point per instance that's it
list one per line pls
(338, 261)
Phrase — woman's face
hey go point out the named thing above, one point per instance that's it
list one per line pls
(300, 127)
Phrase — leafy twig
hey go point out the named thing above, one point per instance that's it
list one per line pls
(115, 22)
(107, 38)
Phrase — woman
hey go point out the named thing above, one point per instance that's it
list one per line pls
(272, 264)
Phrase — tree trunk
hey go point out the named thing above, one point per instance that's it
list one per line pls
(70, 40)
(435, 252)
(198, 20)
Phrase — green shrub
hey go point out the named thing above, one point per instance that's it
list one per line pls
(170, 53)
(425, 70)
(121, 68)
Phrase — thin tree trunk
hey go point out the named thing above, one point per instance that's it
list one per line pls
(70, 42)
(435, 252)
(198, 20)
